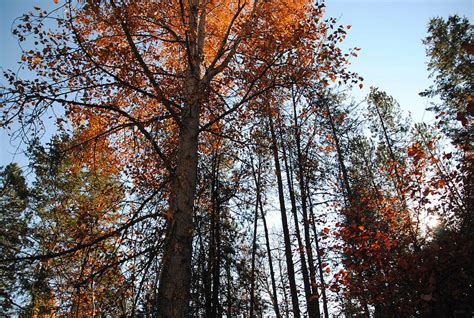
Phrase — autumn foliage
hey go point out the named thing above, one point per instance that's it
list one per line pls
(201, 151)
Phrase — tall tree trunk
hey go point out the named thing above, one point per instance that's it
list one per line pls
(340, 158)
(284, 221)
(216, 268)
(203, 286)
(254, 252)
(312, 311)
(348, 197)
(212, 300)
(175, 279)
(399, 183)
(208, 271)
(257, 180)
(314, 299)
(285, 294)
(320, 263)
(276, 308)
(173, 294)
(229, 291)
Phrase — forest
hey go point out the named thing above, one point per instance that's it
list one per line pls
(209, 160)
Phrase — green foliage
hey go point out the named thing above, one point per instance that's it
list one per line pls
(71, 200)
(14, 198)
(386, 119)
(450, 49)
(67, 204)
(76, 204)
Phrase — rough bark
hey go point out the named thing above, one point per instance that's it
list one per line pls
(173, 294)
(175, 279)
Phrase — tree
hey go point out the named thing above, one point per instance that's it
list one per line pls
(387, 122)
(374, 225)
(449, 47)
(436, 180)
(14, 231)
(148, 79)
(286, 233)
(66, 203)
(73, 203)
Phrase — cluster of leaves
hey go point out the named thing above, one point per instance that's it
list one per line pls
(396, 259)
(65, 206)
(187, 124)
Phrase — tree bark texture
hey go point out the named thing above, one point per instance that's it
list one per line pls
(175, 282)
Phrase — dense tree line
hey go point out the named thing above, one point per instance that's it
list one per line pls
(207, 163)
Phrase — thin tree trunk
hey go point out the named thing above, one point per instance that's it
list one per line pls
(254, 251)
(285, 295)
(202, 287)
(215, 258)
(320, 263)
(257, 178)
(286, 232)
(301, 249)
(345, 177)
(340, 158)
(270, 264)
(314, 299)
(210, 263)
(216, 271)
(399, 183)
(229, 292)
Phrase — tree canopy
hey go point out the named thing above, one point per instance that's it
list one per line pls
(206, 163)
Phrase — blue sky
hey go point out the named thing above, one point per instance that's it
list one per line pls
(389, 32)
(10, 53)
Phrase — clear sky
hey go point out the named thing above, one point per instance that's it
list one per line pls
(389, 32)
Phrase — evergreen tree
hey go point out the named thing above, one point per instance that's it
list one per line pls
(14, 199)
